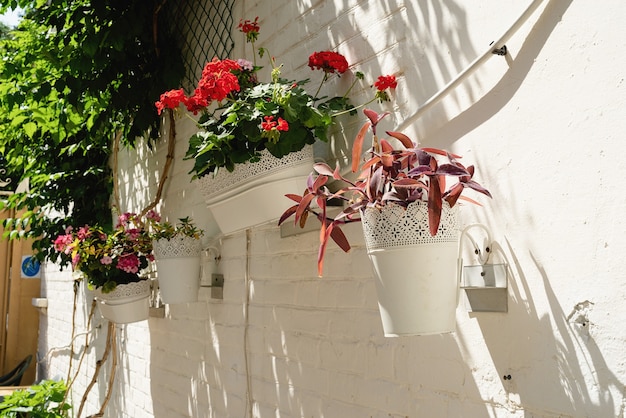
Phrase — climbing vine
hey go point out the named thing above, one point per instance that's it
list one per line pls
(77, 74)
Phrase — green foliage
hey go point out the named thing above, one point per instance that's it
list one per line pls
(44, 400)
(4, 30)
(166, 230)
(73, 75)
(233, 133)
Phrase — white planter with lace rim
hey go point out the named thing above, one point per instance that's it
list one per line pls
(254, 193)
(417, 280)
(178, 268)
(126, 303)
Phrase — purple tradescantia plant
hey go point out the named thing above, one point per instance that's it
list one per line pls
(388, 176)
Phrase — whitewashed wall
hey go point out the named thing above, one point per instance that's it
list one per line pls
(544, 125)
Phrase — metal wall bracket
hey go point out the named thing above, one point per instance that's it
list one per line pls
(217, 286)
(210, 259)
(485, 285)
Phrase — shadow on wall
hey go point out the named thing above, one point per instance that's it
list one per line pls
(195, 363)
(553, 361)
(195, 360)
(194, 369)
(315, 347)
(393, 38)
(87, 346)
(492, 102)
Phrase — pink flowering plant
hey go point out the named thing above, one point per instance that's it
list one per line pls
(107, 258)
(250, 116)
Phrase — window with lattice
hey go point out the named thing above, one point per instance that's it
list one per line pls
(204, 31)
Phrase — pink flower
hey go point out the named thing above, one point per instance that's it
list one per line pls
(123, 219)
(62, 243)
(75, 260)
(245, 64)
(152, 214)
(133, 234)
(106, 260)
(83, 232)
(128, 262)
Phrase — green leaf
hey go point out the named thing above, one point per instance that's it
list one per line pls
(30, 128)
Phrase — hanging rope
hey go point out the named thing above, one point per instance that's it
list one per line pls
(169, 159)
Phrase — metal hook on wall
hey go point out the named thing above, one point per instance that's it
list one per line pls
(485, 284)
(481, 252)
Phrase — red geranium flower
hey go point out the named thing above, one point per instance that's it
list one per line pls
(216, 83)
(328, 61)
(170, 100)
(195, 104)
(385, 82)
(250, 28)
(268, 124)
(282, 125)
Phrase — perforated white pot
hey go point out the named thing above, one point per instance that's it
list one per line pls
(127, 303)
(254, 193)
(416, 274)
(178, 268)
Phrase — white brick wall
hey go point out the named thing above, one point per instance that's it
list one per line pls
(545, 127)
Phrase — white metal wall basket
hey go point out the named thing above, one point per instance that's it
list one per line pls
(265, 182)
(485, 285)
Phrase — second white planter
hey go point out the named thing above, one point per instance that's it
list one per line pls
(416, 273)
(254, 193)
(178, 268)
(127, 303)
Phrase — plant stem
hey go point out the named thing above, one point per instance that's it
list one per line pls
(72, 334)
(99, 363)
(169, 158)
(253, 53)
(350, 88)
(107, 398)
(353, 108)
(83, 353)
(320, 86)
(318, 215)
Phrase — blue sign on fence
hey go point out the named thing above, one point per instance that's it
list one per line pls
(31, 268)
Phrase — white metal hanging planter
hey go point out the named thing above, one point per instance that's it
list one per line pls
(265, 182)
(416, 273)
(178, 268)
